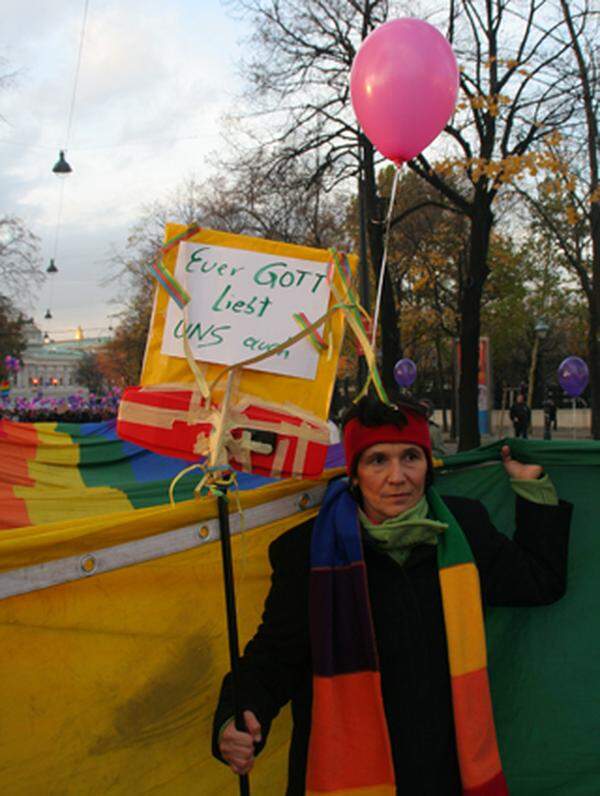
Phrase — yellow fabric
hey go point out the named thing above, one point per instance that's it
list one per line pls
(47, 503)
(108, 684)
(462, 608)
(20, 547)
(56, 459)
(161, 369)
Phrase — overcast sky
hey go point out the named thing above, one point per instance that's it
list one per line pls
(155, 80)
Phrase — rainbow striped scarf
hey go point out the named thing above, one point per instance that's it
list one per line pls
(346, 678)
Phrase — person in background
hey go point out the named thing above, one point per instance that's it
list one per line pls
(520, 414)
(435, 432)
(375, 614)
(549, 408)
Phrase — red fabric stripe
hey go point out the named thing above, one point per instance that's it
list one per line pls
(495, 787)
(349, 744)
(478, 755)
(168, 399)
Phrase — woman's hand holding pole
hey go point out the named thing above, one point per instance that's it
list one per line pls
(237, 747)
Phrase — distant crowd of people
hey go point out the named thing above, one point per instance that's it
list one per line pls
(76, 408)
(89, 415)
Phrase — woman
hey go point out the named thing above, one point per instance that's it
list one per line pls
(373, 625)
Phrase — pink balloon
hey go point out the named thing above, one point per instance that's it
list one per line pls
(404, 84)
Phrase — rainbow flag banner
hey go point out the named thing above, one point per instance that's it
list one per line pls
(112, 620)
(59, 471)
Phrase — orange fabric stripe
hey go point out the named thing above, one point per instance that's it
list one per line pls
(374, 790)
(14, 510)
(349, 745)
(18, 445)
(463, 618)
(478, 755)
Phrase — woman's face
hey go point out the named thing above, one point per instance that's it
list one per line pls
(391, 477)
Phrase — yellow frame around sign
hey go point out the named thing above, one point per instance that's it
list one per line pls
(310, 395)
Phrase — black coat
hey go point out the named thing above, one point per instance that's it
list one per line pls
(406, 606)
(520, 414)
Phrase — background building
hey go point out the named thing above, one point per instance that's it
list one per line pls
(51, 366)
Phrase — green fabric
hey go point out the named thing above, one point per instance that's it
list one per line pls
(544, 662)
(529, 451)
(453, 548)
(398, 535)
(537, 490)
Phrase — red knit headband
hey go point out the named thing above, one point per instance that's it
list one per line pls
(358, 438)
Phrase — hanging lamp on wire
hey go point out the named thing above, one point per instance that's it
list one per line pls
(61, 167)
(51, 270)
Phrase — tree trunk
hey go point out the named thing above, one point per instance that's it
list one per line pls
(440, 382)
(470, 314)
(594, 360)
(388, 316)
(594, 319)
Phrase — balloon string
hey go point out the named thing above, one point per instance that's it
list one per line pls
(388, 222)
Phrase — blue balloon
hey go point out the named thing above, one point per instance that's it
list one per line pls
(405, 372)
(573, 376)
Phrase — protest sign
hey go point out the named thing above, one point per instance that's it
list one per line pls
(244, 293)
(243, 303)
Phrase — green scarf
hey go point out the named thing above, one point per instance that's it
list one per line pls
(398, 535)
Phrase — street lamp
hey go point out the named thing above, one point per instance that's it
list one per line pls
(541, 330)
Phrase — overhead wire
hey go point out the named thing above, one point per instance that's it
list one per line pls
(67, 140)
(77, 70)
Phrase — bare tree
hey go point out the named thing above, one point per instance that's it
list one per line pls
(510, 55)
(20, 260)
(12, 332)
(566, 201)
(300, 56)
(512, 96)
(250, 201)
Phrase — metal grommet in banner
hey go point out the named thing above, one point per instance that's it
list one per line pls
(88, 564)
(304, 501)
(203, 533)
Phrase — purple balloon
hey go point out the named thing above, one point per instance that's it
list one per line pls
(573, 376)
(405, 372)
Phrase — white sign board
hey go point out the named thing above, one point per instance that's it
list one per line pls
(243, 304)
